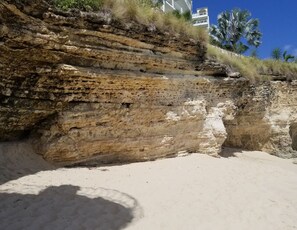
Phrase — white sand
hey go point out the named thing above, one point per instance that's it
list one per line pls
(250, 191)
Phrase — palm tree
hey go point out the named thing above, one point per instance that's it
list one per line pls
(287, 57)
(233, 28)
(276, 54)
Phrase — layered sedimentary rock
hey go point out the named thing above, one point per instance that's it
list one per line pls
(38, 47)
(266, 119)
(165, 117)
(89, 89)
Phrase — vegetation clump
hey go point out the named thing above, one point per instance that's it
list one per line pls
(145, 12)
(78, 4)
(253, 68)
(187, 16)
(278, 54)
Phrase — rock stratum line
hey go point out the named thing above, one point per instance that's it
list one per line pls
(87, 89)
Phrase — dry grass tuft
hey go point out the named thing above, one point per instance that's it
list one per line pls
(142, 12)
(145, 13)
(253, 68)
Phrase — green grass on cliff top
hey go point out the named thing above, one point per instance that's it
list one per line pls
(141, 11)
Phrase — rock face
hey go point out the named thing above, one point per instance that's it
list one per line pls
(88, 89)
(266, 119)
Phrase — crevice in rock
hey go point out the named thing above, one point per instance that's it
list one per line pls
(293, 134)
(227, 143)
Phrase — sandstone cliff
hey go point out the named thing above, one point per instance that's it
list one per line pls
(88, 89)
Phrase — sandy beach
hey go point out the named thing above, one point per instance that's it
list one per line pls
(243, 190)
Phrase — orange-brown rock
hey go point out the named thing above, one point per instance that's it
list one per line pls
(88, 89)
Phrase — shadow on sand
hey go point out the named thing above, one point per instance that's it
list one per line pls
(63, 208)
(229, 152)
(17, 159)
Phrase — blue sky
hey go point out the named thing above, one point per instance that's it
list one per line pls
(278, 20)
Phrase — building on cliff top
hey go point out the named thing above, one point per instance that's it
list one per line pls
(182, 6)
(201, 18)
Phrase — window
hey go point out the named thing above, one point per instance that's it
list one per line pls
(202, 12)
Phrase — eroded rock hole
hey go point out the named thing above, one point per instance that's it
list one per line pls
(293, 134)
(126, 105)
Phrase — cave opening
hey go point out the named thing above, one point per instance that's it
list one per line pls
(293, 134)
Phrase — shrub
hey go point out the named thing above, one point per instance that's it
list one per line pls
(79, 4)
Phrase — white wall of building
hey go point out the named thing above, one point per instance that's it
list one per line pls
(201, 18)
(181, 5)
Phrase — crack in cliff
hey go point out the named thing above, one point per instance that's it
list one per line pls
(293, 134)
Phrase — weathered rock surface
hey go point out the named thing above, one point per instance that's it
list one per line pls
(266, 119)
(88, 89)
